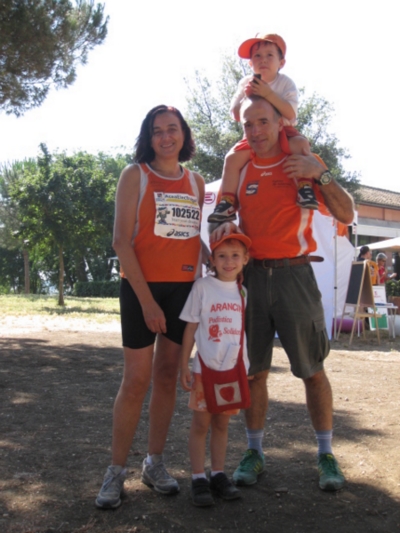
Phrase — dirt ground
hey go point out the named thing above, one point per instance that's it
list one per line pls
(58, 381)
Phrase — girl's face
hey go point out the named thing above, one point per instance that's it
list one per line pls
(229, 259)
(167, 136)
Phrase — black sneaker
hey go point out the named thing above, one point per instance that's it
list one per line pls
(222, 486)
(201, 494)
(306, 198)
(224, 212)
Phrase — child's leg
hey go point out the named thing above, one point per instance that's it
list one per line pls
(299, 145)
(219, 483)
(219, 441)
(197, 440)
(306, 196)
(201, 493)
(234, 162)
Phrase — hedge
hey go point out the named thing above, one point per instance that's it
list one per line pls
(97, 289)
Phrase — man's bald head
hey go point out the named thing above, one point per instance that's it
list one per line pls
(261, 123)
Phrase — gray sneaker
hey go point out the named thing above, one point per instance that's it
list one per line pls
(109, 496)
(157, 477)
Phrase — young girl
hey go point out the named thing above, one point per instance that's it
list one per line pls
(213, 312)
(267, 57)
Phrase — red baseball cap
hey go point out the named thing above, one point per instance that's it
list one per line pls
(245, 48)
(237, 236)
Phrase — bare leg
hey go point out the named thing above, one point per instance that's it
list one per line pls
(129, 401)
(219, 441)
(255, 415)
(299, 145)
(163, 396)
(319, 401)
(197, 440)
(233, 164)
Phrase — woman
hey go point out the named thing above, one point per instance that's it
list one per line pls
(383, 275)
(157, 240)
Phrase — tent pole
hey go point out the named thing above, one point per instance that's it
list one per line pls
(335, 283)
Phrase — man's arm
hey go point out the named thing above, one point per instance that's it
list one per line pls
(337, 200)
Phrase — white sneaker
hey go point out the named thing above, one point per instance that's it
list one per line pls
(109, 496)
(157, 477)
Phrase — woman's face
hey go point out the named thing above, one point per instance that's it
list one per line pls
(167, 136)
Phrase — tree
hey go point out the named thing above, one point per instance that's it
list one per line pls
(11, 236)
(208, 116)
(41, 43)
(66, 204)
(216, 132)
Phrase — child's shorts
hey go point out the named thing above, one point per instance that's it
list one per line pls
(197, 402)
(284, 135)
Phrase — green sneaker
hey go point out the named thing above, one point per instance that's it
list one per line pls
(251, 466)
(330, 475)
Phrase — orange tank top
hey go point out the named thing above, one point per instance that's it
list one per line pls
(167, 229)
(277, 227)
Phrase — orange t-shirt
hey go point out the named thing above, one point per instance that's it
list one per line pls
(167, 231)
(277, 227)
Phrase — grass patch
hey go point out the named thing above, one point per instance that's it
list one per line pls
(96, 308)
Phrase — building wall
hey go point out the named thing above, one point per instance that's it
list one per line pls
(378, 213)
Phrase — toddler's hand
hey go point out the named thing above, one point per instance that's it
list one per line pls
(260, 88)
(248, 89)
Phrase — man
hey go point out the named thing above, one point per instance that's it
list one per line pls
(283, 296)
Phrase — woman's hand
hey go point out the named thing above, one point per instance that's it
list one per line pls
(186, 378)
(154, 317)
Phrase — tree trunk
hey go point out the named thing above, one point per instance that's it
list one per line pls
(61, 277)
(26, 271)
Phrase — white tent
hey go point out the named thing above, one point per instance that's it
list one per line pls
(392, 245)
(333, 272)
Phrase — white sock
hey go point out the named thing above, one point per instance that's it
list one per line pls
(202, 475)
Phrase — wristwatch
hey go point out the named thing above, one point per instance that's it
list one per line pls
(325, 179)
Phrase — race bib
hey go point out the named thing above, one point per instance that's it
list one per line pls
(177, 215)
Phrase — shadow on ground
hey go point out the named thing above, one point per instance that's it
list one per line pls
(56, 397)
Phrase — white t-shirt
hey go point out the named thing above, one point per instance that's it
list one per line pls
(216, 306)
(282, 85)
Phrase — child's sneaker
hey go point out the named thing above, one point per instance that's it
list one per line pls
(224, 212)
(330, 475)
(156, 477)
(222, 486)
(109, 496)
(306, 198)
(201, 493)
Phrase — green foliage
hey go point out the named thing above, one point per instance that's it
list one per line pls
(313, 120)
(11, 271)
(41, 43)
(393, 288)
(63, 209)
(97, 289)
(216, 132)
(208, 116)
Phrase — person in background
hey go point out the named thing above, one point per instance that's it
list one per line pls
(366, 255)
(383, 275)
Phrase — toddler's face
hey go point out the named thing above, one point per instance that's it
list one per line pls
(265, 60)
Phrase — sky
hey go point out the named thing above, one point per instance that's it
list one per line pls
(345, 51)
